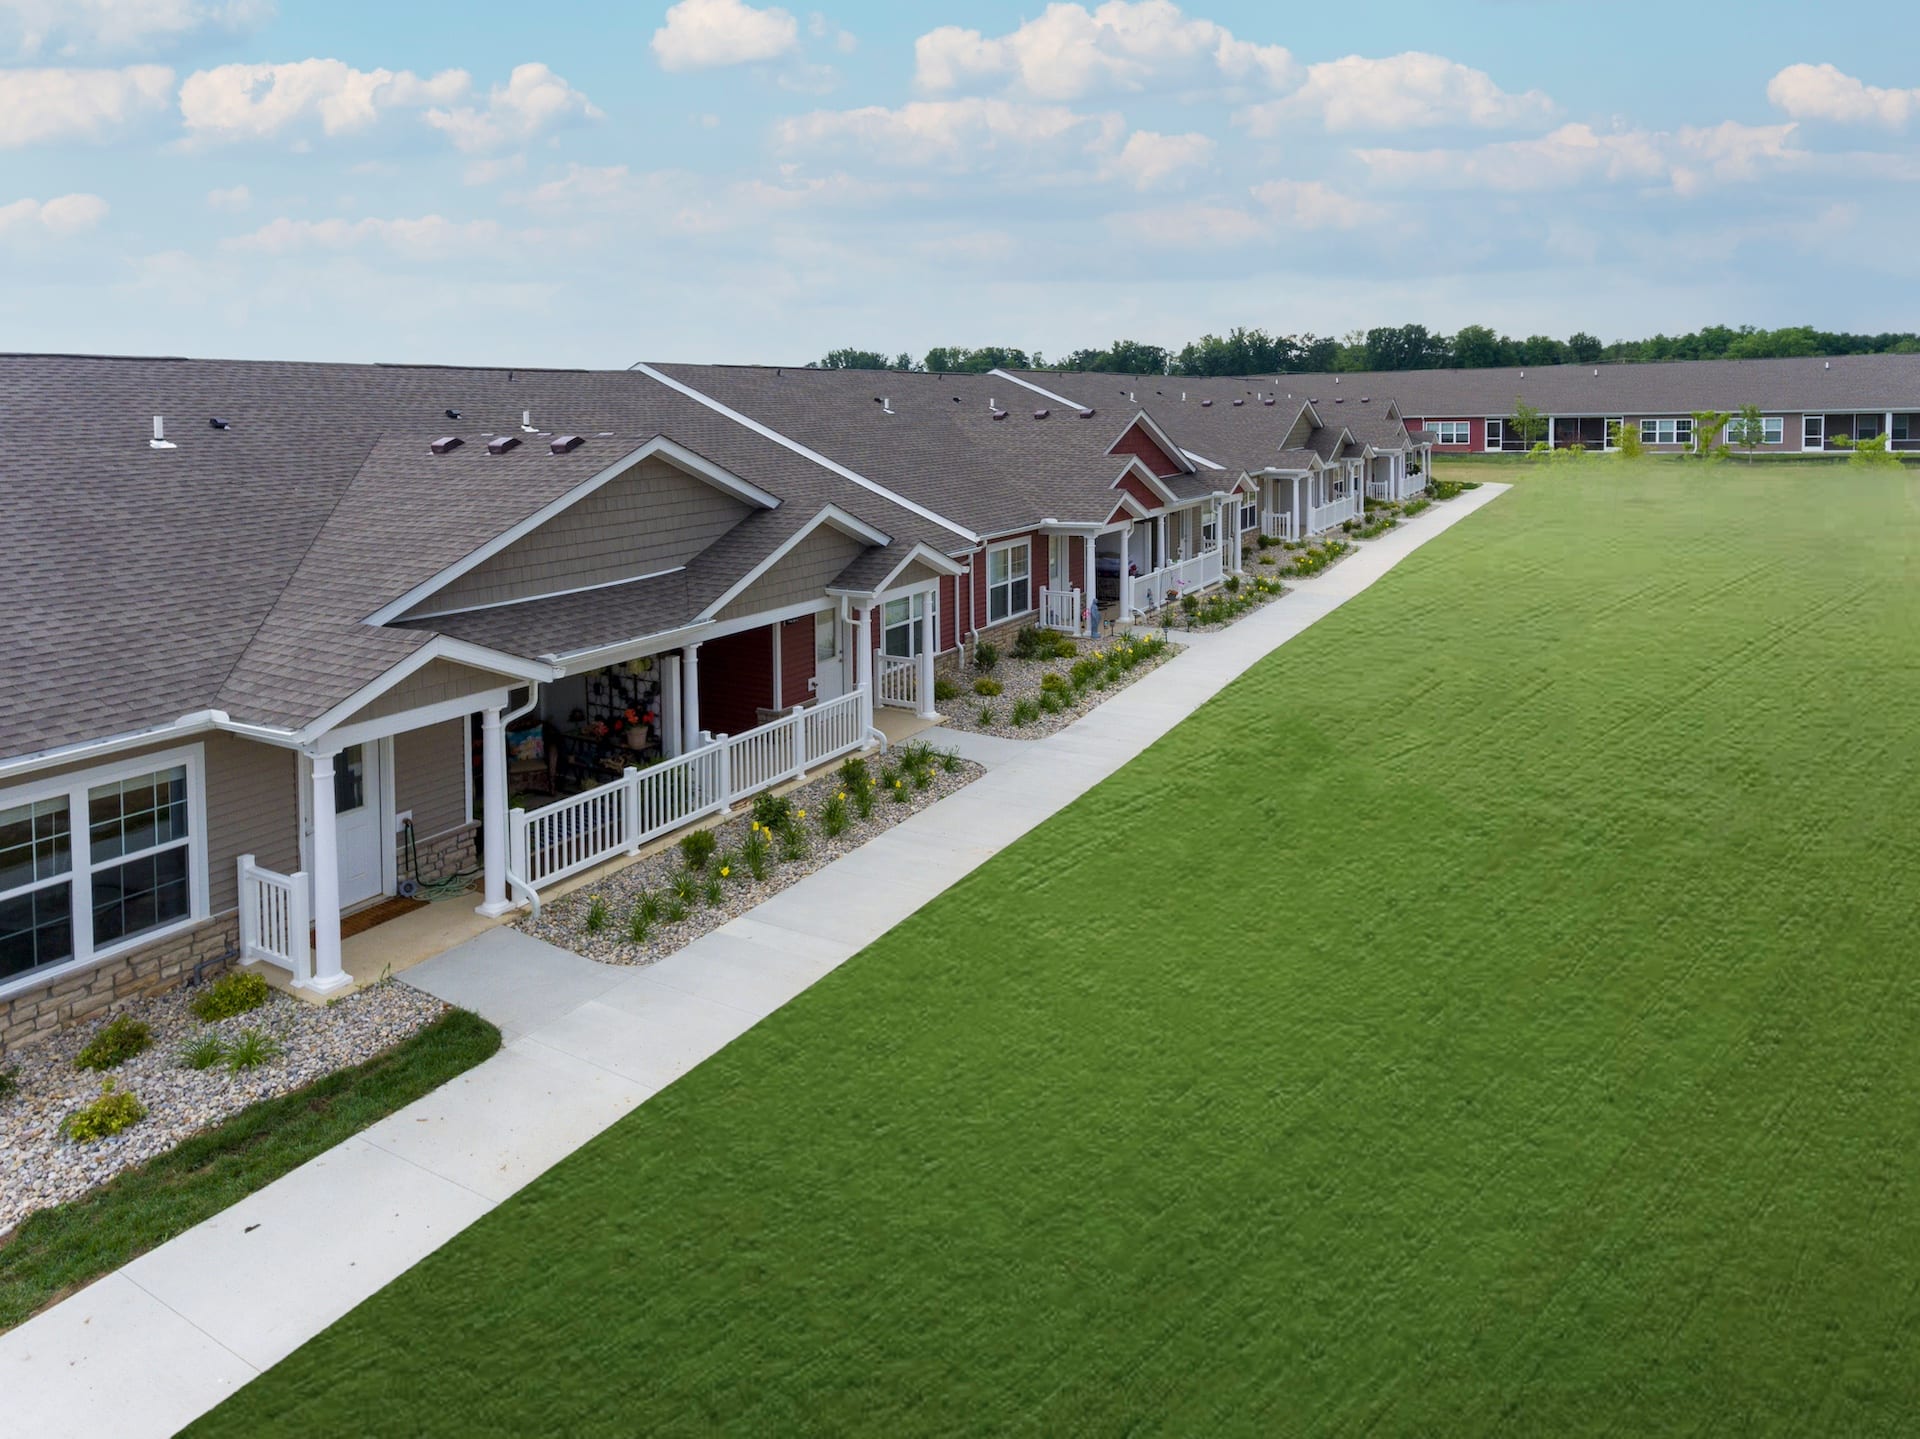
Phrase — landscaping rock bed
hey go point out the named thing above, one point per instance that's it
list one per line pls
(40, 1167)
(564, 921)
(1023, 682)
(1301, 559)
(1222, 608)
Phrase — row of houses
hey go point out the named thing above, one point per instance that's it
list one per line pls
(1809, 406)
(285, 639)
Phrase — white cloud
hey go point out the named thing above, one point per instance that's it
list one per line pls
(262, 101)
(955, 134)
(74, 26)
(1125, 45)
(1822, 92)
(1313, 205)
(38, 106)
(533, 100)
(1400, 92)
(233, 200)
(1201, 227)
(701, 34)
(1684, 160)
(428, 237)
(63, 215)
(1149, 158)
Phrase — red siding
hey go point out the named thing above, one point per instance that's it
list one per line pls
(796, 660)
(1137, 442)
(1476, 430)
(1139, 490)
(736, 680)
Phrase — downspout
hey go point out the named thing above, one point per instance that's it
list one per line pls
(513, 880)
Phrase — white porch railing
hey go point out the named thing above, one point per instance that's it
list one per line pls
(1325, 517)
(275, 921)
(896, 680)
(1061, 610)
(1152, 589)
(576, 833)
(1381, 490)
(1279, 524)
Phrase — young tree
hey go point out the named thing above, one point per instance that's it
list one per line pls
(1747, 430)
(1873, 454)
(1706, 425)
(1626, 439)
(1528, 423)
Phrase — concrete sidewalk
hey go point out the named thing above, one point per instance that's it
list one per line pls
(164, 1339)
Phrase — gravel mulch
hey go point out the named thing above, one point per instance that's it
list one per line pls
(1020, 679)
(563, 921)
(1260, 602)
(39, 1168)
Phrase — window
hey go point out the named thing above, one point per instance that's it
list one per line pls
(1666, 432)
(1812, 432)
(139, 871)
(1452, 432)
(1008, 592)
(826, 636)
(901, 625)
(1773, 429)
(1210, 532)
(1496, 434)
(1249, 513)
(1902, 427)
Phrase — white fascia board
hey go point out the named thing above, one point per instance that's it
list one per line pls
(1152, 481)
(439, 648)
(200, 722)
(676, 454)
(549, 595)
(788, 442)
(828, 515)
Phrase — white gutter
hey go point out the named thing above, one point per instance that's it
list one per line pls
(788, 442)
(199, 722)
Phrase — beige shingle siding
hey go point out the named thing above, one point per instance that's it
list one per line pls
(429, 777)
(803, 573)
(433, 683)
(653, 518)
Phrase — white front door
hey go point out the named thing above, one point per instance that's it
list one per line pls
(1059, 564)
(829, 668)
(356, 821)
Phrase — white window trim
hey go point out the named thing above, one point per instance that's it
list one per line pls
(913, 622)
(1452, 432)
(74, 787)
(1813, 432)
(1496, 434)
(1026, 579)
(1650, 430)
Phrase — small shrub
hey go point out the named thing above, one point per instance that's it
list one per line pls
(1232, 583)
(1026, 711)
(915, 755)
(251, 1050)
(987, 687)
(1266, 559)
(862, 798)
(598, 915)
(1038, 643)
(986, 715)
(697, 848)
(204, 1052)
(1189, 603)
(9, 1082)
(232, 993)
(854, 774)
(985, 656)
(112, 1112)
(834, 817)
(1267, 542)
(1051, 703)
(1053, 683)
(714, 892)
(1084, 671)
(685, 886)
(117, 1042)
(945, 689)
(639, 922)
(675, 909)
(649, 907)
(773, 811)
(949, 760)
(793, 844)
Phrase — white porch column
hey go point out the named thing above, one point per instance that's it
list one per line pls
(1089, 594)
(690, 699)
(327, 974)
(493, 815)
(1126, 579)
(929, 642)
(863, 660)
(779, 688)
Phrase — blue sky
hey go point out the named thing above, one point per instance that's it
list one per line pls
(590, 184)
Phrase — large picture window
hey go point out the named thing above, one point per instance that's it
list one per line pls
(1666, 432)
(98, 860)
(1452, 432)
(901, 627)
(1008, 590)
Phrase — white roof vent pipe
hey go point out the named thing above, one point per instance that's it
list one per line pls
(526, 421)
(886, 406)
(160, 440)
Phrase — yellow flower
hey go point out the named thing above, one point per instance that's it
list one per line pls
(803, 814)
(725, 870)
(896, 784)
(841, 795)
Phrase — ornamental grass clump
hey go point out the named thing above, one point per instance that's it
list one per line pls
(233, 993)
(857, 781)
(117, 1041)
(113, 1111)
(1026, 711)
(598, 915)
(203, 1053)
(686, 888)
(985, 656)
(641, 919)
(834, 817)
(987, 687)
(756, 852)
(698, 847)
(251, 1050)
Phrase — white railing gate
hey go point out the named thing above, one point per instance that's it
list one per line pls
(276, 919)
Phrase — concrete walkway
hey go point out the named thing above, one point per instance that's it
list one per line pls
(161, 1341)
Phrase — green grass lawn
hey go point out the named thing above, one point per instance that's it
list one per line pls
(1497, 1013)
(58, 1249)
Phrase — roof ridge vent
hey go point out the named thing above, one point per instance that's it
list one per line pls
(1206, 404)
(997, 413)
(1266, 399)
(1238, 403)
(500, 444)
(446, 444)
(564, 444)
(1087, 413)
(160, 440)
(1041, 414)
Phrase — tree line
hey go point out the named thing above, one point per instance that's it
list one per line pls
(1385, 347)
